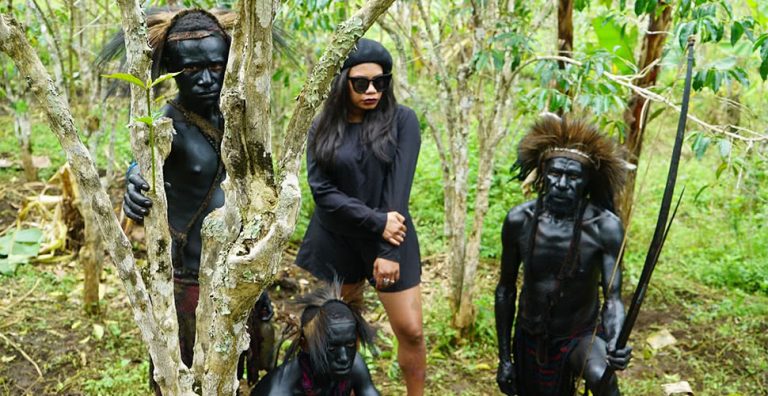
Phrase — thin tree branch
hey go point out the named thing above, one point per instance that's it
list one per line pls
(625, 81)
(24, 354)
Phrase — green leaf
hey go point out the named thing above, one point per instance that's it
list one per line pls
(719, 76)
(20, 106)
(29, 235)
(7, 267)
(720, 169)
(725, 148)
(147, 120)
(737, 30)
(764, 69)
(701, 190)
(98, 331)
(650, 7)
(686, 29)
(126, 77)
(163, 78)
(759, 42)
(740, 75)
(18, 248)
(640, 7)
(700, 145)
(615, 40)
(685, 7)
(698, 80)
(580, 5)
(728, 8)
(655, 114)
(481, 61)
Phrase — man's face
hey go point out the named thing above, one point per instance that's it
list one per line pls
(565, 183)
(342, 347)
(202, 63)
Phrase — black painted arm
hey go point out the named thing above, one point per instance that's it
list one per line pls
(506, 295)
(361, 379)
(612, 235)
(506, 289)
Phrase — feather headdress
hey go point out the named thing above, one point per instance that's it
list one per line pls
(552, 136)
(321, 308)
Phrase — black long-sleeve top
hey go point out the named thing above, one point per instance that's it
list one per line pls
(353, 197)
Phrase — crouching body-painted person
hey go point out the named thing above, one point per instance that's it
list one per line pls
(195, 43)
(568, 241)
(323, 361)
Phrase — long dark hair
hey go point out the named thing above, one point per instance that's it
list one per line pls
(378, 124)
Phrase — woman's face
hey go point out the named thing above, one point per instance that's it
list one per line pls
(369, 99)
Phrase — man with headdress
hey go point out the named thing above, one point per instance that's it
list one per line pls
(195, 44)
(323, 360)
(568, 241)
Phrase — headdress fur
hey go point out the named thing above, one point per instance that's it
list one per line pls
(167, 24)
(552, 136)
(321, 308)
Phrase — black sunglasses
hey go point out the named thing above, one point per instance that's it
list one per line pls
(380, 83)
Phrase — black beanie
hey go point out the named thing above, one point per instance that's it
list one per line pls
(369, 51)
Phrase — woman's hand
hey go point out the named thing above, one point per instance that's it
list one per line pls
(385, 272)
(394, 231)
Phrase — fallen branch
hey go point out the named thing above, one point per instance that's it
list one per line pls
(21, 351)
(7, 307)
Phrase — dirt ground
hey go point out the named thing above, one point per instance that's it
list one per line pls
(49, 346)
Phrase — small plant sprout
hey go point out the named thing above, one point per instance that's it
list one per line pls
(150, 118)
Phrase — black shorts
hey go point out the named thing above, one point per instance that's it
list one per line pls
(329, 256)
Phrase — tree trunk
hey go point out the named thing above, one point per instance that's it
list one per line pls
(493, 126)
(23, 128)
(91, 257)
(564, 38)
(564, 30)
(82, 230)
(638, 107)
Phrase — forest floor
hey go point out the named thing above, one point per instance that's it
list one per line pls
(719, 333)
(49, 347)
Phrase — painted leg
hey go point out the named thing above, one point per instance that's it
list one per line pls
(405, 315)
(595, 359)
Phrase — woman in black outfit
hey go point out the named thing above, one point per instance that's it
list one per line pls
(361, 157)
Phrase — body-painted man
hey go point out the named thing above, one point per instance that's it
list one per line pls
(324, 360)
(568, 241)
(195, 44)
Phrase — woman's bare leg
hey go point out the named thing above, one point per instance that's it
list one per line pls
(404, 312)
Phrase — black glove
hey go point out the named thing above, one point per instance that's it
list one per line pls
(135, 204)
(618, 359)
